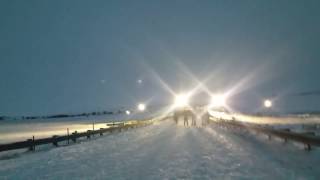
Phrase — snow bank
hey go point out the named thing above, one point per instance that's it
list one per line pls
(278, 120)
(167, 151)
(20, 130)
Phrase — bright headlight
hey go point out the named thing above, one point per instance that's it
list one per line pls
(218, 100)
(181, 100)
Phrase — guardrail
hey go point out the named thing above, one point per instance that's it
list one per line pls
(32, 143)
(308, 139)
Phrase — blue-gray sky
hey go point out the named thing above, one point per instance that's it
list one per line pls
(80, 55)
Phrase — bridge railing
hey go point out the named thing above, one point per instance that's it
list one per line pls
(32, 143)
(307, 139)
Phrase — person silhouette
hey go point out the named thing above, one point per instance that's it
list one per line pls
(194, 122)
(175, 118)
(185, 120)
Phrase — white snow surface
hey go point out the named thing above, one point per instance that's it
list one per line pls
(20, 130)
(167, 151)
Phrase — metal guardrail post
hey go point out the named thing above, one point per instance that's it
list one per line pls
(31, 144)
(74, 138)
(89, 134)
(68, 135)
(54, 140)
(307, 147)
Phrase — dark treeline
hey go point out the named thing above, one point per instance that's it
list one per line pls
(95, 113)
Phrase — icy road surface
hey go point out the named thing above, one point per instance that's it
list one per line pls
(168, 151)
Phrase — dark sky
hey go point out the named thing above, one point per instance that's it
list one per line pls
(80, 55)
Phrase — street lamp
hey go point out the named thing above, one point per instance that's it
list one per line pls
(267, 103)
(141, 107)
(128, 112)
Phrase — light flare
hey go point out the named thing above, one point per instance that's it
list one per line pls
(181, 100)
(267, 103)
(141, 107)
(218, 100)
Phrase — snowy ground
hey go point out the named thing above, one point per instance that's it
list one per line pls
(295, 123)
(20, 130)
(278, 120)
(168, 151)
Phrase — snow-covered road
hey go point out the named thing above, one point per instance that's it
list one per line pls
(168, 151)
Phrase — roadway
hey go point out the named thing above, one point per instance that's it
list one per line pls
(168, 151)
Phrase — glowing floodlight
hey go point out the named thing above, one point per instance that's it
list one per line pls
(218, 100)
(181, 100)
(128, 112)
(141, 107)
(267, 103)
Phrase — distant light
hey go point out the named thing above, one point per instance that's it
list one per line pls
(128, 112)
(141, 107)
(139, 81)
(102, 81)
(218, 100)
(181, 100)
(268, 103)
